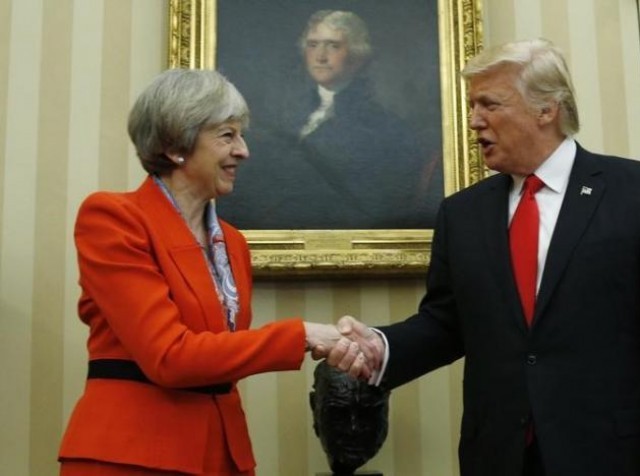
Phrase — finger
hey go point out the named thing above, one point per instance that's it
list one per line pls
(360, 328)
(338, 352)
(359, 368)
(345, 325)
(319, 352)
(350, 356)
(370, 352)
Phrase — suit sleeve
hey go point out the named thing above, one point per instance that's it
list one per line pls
(430, 338)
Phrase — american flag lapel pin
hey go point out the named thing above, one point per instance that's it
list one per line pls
(585, 190)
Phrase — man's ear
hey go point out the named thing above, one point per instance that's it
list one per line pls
(548, 113)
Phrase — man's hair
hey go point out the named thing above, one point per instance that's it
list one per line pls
(177, 105)
(353, 27)
(543, 76)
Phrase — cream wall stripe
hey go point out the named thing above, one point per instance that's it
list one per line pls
(259, 391)
(346, 299)
(499, 21)
(407, 434)
(318, 308)
(612, 88)
(555, 18)
(116, 60)
(292, 407)
(528, 19)
(374, 304)
(585, 72)
(149, 28)
(433, 416)
(258, 398)
(630, 31)
(82, 173)
(375, 310)
(18, 202)
(456, 377)
(5, 34)
(50, 237)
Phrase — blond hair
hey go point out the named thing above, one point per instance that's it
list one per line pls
(543, 76)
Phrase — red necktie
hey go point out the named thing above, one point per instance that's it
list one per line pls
(523, 241)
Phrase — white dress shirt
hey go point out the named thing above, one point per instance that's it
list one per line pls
(554, 172)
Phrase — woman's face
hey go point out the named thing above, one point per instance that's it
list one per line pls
(211, 168)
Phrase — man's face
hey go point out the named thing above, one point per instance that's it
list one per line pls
(327, 55)
(508, 129)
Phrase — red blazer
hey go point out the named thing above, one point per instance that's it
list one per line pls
(147, 296)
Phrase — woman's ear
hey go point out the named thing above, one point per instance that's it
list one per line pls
(176, 158)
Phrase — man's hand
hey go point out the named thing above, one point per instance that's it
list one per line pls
(369, 345)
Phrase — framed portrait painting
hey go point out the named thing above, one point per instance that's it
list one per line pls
(358, 124)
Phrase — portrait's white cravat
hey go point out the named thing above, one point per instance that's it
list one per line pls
(321, 114)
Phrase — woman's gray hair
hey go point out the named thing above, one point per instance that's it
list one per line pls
(543, 76)
(178, 104)
(354, 28)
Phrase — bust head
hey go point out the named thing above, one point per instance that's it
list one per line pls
(349, 416)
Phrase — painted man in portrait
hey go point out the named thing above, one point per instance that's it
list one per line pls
(334, 157)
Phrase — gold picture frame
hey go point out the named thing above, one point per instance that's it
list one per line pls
(349, 253)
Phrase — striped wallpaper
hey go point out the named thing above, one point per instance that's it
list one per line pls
(69, 71)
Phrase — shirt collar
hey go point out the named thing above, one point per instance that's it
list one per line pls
(554, 171)
(326, 96)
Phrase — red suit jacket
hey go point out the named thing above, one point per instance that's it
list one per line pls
(148, 296)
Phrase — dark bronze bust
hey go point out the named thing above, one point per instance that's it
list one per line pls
(350, 417)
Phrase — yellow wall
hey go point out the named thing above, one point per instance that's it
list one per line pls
(68, 73)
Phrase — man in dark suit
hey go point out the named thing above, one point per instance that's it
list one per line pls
(552, 375)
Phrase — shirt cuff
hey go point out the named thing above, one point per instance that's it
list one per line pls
(376, 376)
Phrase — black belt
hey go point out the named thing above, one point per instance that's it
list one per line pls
(129, 370)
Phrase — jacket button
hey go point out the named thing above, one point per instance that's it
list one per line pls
(532, 359)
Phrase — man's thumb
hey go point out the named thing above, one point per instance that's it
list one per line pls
(345, 325)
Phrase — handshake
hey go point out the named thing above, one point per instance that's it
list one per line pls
(350, 346)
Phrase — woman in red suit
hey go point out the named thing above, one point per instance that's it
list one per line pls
(166, 293)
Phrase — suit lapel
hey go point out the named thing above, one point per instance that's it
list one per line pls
(184, 251)
(584, 192)
(495, 212)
